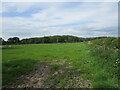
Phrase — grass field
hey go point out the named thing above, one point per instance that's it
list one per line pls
(98, 62)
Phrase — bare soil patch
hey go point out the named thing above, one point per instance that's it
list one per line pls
(33, 79)
(44, 77)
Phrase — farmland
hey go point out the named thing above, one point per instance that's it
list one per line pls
(93, 63)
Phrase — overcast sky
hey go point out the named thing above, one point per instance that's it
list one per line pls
(83, 19)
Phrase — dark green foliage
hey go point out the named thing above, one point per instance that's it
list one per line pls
(14, 40)
(1, 40)
(106, 49)
(48, 39)
(52, 39)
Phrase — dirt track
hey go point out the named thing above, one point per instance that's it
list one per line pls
(42, 77)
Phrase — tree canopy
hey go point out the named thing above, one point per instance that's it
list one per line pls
(46, 39)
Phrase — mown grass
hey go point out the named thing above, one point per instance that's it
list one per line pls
(98, 65)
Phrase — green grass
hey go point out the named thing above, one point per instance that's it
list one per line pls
(97, 66)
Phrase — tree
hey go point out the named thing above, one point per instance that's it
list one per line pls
(46, 39)
(14, 40)
(1, 40)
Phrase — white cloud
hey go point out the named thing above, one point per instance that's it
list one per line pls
(16, 7)
(59, 0)
(95, 13)
(94, 19)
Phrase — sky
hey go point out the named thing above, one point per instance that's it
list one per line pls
(37, 19)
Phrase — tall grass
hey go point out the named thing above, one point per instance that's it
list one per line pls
(106, 50)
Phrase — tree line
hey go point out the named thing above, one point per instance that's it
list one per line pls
(46, 39)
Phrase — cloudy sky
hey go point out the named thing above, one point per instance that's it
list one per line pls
(83, 19)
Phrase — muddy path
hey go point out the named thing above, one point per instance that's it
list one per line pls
(46, 77)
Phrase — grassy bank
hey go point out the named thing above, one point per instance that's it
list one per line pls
(106, 52)
(96, 62)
